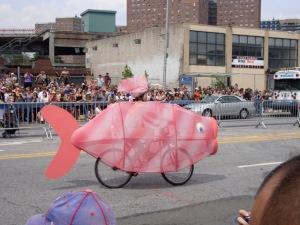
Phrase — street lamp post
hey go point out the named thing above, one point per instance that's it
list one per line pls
(166, 46)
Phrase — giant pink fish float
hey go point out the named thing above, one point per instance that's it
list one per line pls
(134, 137)
(134, 86)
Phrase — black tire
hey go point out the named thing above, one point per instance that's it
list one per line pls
(113, 183)
(244, 114)
(207, 113)
(170, 177)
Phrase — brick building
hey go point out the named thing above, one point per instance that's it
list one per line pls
(290, 24)
(152, 13)
(270, 24)
(72, 24)
(121, 30)
(212, 12)
(284, 25)
(41, 27)
(239, 13)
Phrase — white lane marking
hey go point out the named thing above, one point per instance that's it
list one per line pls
(261, 164)
(8, 143)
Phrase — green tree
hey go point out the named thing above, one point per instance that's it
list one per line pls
(127, 73)
(218, 82)
(35, 57)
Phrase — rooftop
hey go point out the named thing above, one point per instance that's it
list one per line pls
(97, 11)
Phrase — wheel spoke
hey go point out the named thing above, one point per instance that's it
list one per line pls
(177, 177)
(111, 177)
(180, 177)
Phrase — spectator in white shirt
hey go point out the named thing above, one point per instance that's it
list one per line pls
(43, 97)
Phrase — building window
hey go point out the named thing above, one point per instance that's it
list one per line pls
(248, 46)
(138, 41)
(207, 48)
(247, 51)
(283, 53)
(70, 51)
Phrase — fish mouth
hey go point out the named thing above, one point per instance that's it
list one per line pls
(215, 148)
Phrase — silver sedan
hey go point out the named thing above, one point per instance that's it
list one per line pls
(223, 105)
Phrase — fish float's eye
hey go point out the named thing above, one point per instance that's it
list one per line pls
(200, 127)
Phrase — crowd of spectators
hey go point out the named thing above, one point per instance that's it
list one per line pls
(95, 93)
(45, 89)
(59, 88)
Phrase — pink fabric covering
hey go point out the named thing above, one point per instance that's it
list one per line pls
(67, 155)
(148, 137)
(134, 86)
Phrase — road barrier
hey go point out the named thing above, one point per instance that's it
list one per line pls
(278, 112)
(18, 116)
(249, 113)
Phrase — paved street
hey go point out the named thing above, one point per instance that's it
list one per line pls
(219, 187)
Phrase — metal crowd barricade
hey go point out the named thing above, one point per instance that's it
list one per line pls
(82, 112)
(298, 116)
(181, 103)
(26, 115)
(248, 113)
(260, 112)
(276, 112)
(226, 113)
(18, 115)
(235, 114)
(21, 116)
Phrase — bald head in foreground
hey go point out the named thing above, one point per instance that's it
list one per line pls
(278, 199)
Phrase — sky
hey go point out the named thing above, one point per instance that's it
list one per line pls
(25, 13)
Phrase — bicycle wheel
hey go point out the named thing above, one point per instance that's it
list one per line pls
(181, 177)
(111, 177)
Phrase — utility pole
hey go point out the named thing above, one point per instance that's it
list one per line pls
(166, 45)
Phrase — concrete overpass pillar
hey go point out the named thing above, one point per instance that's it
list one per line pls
(51, 48)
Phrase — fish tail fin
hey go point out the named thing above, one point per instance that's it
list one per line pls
(67, 155)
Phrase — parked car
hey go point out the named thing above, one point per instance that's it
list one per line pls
(223, 105)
